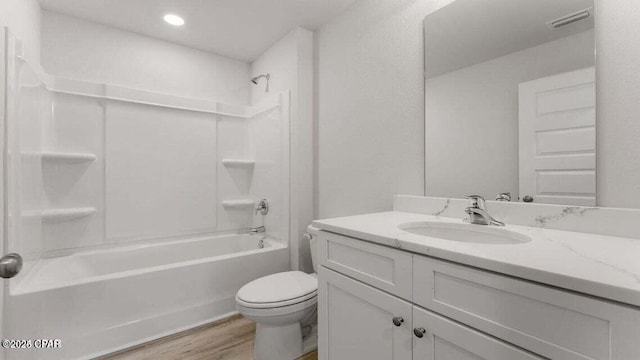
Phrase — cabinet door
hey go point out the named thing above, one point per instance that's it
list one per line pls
(438, 338)
(356, 321)
(554, 323)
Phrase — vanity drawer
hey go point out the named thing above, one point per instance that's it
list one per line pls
(547, 321)
(382, 267)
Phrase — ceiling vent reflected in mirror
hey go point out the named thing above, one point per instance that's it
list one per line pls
(570, 19)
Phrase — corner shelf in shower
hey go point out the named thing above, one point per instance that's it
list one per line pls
(238, 163)
(69, 158)
(238, 204)
(55, 215)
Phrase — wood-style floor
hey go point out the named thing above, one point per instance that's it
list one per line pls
(228, 339)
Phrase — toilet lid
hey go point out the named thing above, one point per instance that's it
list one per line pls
(280, 287)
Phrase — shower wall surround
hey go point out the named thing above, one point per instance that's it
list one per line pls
(103, 165)
(23, 17)
(24, 122)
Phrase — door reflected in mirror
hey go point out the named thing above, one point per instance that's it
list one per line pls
(510, 100)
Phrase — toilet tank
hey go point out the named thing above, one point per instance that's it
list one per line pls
(312, 236)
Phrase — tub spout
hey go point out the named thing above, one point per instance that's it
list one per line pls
(257, 230)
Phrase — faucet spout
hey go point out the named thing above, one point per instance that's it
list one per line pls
(478, 213)
(257, 230)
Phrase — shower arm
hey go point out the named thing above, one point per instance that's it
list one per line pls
(256, 79)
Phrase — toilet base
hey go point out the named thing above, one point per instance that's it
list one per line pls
(310, 342)
(278, 342)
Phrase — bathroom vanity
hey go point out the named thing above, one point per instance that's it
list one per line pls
(421, 283)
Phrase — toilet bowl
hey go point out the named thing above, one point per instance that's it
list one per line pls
(279, 304)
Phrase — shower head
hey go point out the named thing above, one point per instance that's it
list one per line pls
(256, 79)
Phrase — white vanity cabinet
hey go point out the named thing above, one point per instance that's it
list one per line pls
(361, 322)
(378, 302)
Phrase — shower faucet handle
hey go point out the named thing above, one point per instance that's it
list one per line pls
(263, 207)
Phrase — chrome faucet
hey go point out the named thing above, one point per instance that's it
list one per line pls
(257, 230)
(478, 212)
(505, 196)
(263, 207)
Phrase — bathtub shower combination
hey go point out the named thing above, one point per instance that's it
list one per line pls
(122, 237)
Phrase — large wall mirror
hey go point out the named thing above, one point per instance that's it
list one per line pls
(510, 100)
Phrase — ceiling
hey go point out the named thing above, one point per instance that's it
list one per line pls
(469, 32)
(240, 29)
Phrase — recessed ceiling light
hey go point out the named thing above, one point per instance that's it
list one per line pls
(174, 19)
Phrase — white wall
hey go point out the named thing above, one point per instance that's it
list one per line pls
(23, 19)
(472, 117)
(88, 51)
(290, 63)
(618, 107)
(370, 106)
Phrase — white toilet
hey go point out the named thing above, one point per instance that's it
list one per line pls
(281, 304)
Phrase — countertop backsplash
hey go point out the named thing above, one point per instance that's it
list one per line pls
(593, 220)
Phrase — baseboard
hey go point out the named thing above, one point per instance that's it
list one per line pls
(152, 329)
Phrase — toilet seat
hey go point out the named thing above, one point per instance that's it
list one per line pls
(274, 305)
(279, 290)
(285, 310)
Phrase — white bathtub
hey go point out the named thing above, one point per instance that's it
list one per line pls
(101, 301)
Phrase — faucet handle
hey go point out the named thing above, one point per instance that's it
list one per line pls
(477, 201)
(263, 207)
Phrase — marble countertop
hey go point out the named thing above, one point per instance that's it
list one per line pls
(600, 265)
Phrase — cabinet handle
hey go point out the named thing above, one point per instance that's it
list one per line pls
(398, 320)
(419, 332)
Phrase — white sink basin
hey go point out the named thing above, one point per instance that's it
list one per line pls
(468, 233)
